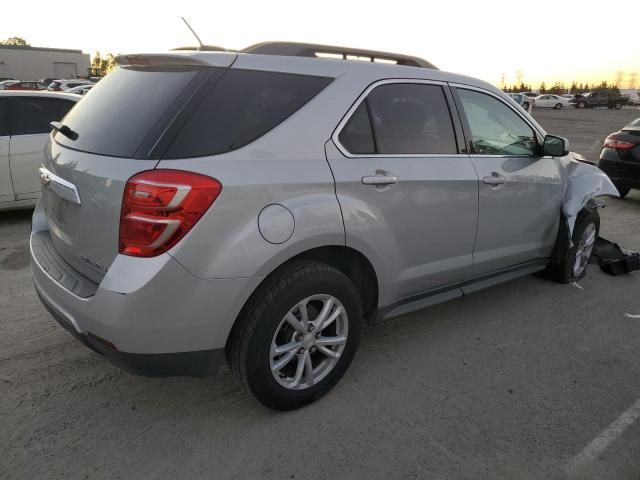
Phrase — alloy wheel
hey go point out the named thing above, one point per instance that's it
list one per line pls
(308, 342)
(584, 249)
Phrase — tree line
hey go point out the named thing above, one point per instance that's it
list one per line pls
(100, 65)
(560, 88)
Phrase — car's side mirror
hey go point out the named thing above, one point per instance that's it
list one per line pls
(555, 146)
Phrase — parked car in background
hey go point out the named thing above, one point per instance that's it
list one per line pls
(257, 207)
(568, 96)
(600, 98)
(64, 85)
(525, 102)
(620, 157)
(551, 101)
(24, 131)
(27, 85)
(5, 83)
(81, 89)
(634, 99)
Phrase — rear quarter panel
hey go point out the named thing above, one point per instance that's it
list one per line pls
(286, 166)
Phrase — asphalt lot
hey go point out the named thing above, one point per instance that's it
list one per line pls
(510, 383)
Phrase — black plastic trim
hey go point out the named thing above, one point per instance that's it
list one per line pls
(384, 311)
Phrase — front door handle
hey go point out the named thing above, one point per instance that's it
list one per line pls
(380, 180)
(494, 179)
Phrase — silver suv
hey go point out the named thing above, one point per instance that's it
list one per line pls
(259, 205)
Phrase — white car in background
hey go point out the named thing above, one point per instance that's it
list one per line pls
(5, 83)
(24, 131)
(551, 101)
(64, 85)
(81, 89)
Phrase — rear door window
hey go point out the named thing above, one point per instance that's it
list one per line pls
(32, 115)
(357, 136)
(407, 118)
(243, 106)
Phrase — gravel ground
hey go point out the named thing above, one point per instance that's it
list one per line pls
(508, 383)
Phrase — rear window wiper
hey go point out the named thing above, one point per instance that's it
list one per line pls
(64, 130)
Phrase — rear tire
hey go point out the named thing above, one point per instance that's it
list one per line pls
(570, 261)
(268, 322)
(618, 106)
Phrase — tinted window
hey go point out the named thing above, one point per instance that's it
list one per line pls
(495, 128)
(33, 114)
(4, 120)
(243, 106)
(356, 136)
(123, 108)
(411, 119)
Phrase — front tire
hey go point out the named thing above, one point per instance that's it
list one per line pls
(297, 337)
(570, 261)
(558, 106)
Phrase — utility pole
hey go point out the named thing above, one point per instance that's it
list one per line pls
(519, 77)
(632, 80)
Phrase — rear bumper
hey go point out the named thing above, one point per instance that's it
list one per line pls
(194, 364)
(152, 318)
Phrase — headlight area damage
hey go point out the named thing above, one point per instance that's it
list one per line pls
(582, 184)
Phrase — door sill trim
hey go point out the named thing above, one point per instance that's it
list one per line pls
(443, 294)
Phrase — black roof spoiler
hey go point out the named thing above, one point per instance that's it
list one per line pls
(291, 49)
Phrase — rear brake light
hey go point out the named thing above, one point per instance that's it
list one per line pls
(159, 208)
(614, 141)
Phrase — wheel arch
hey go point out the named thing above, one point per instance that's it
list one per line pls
(354, 264)
(582, 185)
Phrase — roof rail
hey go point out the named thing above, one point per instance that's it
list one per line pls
(291, 49)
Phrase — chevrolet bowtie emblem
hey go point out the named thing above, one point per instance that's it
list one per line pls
(44, 179)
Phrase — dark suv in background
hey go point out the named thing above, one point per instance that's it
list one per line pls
(600, 98)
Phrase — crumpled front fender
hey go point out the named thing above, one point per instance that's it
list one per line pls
(583, 182)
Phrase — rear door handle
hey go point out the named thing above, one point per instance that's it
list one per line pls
(380, 180)
(494, 180)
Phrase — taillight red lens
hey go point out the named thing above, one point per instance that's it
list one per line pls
(160, 206)
(614, 141)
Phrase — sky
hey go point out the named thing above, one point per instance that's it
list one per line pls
(545, 40)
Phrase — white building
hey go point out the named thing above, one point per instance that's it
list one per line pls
(34, 63)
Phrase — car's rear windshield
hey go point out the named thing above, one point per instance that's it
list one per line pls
(122, 109)
(179, 112)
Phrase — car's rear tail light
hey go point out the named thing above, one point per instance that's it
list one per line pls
(160, 206)
(621, 143)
